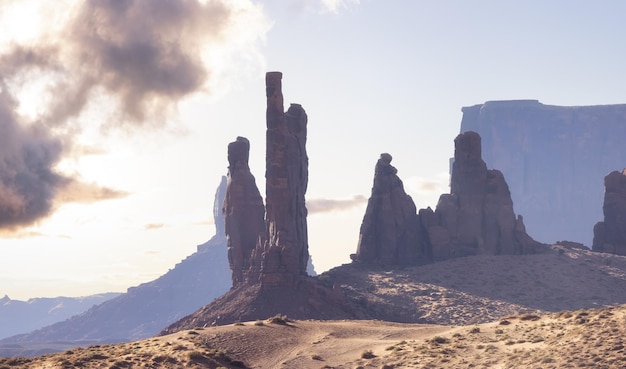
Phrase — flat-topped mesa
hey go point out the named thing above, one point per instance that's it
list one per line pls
(552, 158)
(610, 235)
(284, 254)
(389, 231)
(243, 211)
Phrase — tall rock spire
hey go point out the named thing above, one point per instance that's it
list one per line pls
(284, 254)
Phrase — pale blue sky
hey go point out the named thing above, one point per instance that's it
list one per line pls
(373, 76)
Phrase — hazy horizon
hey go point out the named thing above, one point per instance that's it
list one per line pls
(116, 120)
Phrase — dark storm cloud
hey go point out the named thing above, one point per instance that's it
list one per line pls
(27, 181)
(330, 205)
(143, 56)
(146, 53)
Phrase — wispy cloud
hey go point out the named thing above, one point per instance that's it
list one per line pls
(425, 191)
(334, 6)
(84, 192)
(315, 206)
(322, 6)
(153, 226)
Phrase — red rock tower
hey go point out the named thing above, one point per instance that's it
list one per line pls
(284, 254)
(243, 211)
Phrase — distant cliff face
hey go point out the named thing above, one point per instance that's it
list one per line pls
(554, 159)
(24, 316)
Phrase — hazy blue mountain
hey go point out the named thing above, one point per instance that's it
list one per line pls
(24, 316)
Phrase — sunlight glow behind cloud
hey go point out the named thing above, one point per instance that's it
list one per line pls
(133, 62)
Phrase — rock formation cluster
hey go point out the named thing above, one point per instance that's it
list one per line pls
(610, 235)
(553, 158)
(269, 244)
(475, 218)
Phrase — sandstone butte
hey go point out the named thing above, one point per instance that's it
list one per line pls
(476, 218)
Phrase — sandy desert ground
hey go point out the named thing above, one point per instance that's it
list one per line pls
(563, 309)
(592, 338)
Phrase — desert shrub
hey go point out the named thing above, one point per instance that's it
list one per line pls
(18, 361)
(121, 364)
(317, 357)
(439, 340)
(259, 323)
(279, 319)
(367, 354)
(196, 356)
(491, 348)
(475, 330)
(238, 364)
(163, 359)
(193, 333)
(531, 317)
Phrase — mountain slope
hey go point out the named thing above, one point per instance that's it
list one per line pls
(143, 310)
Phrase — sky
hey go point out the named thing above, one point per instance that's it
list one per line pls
(115, 116)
